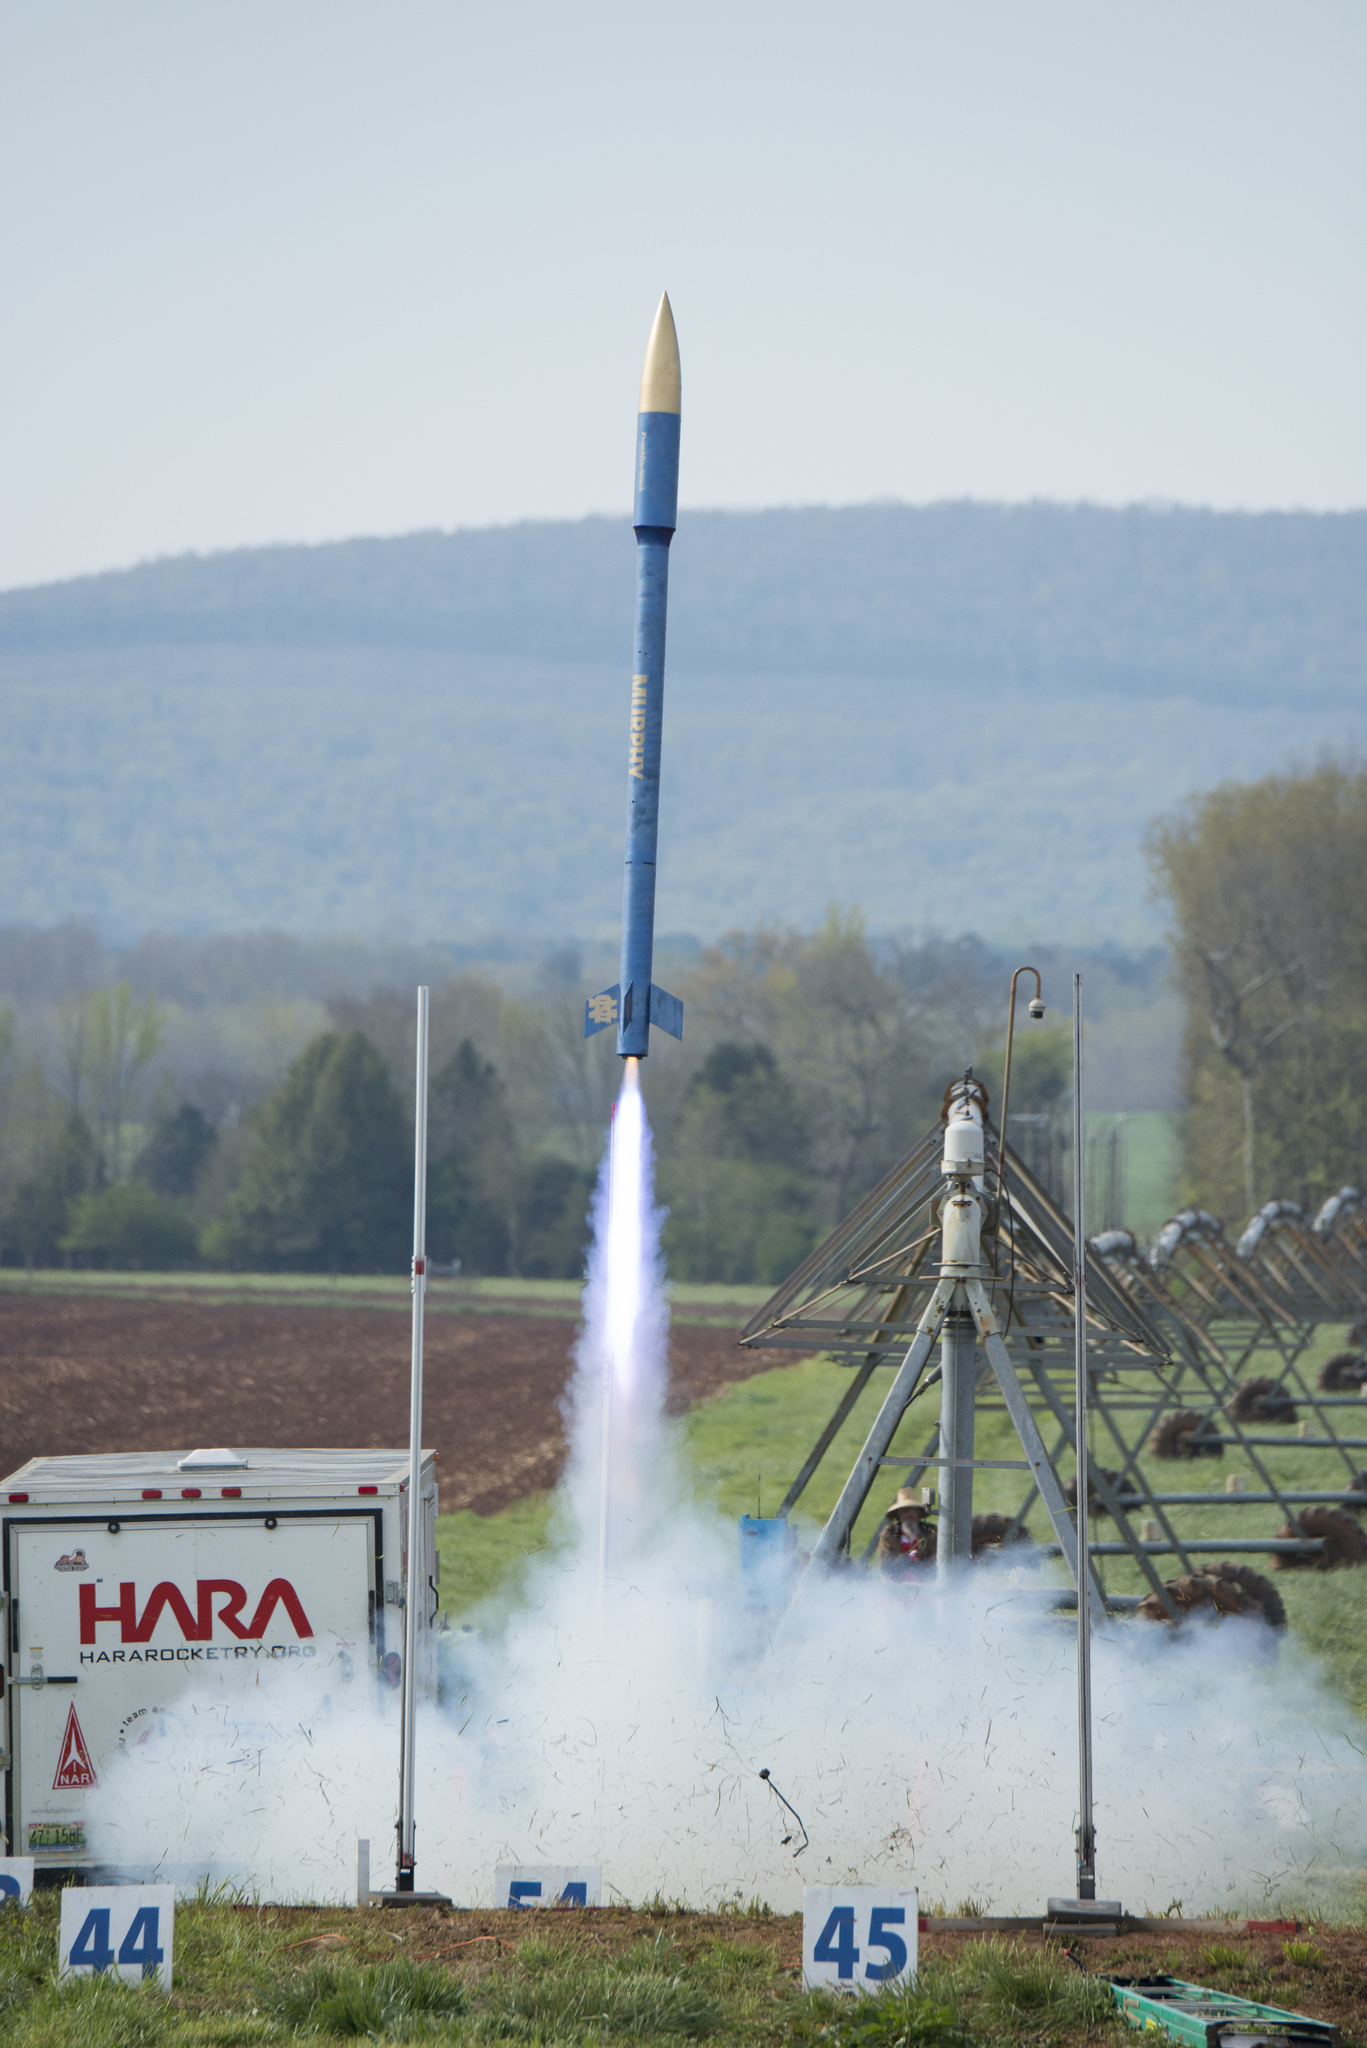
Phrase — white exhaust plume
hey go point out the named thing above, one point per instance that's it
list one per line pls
(618, 1455)
(924, 1735)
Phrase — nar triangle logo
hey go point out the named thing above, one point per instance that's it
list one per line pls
(74, 1768)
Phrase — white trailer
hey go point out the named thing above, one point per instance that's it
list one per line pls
(128, 1579)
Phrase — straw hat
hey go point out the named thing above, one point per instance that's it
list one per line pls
(907, 1497)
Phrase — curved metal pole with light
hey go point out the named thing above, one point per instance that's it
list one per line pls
(1037, 1013)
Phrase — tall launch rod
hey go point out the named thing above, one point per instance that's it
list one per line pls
(1086, 1833)
(413, 1590)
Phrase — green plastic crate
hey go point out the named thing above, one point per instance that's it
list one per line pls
(1214, 2019)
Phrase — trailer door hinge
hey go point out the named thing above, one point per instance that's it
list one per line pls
(394, 1593)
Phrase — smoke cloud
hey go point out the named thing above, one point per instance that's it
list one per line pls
(623, 1714)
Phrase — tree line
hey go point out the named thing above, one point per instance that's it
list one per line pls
(1265, 884)
(812, 1060)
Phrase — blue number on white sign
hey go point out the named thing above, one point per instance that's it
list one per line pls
(9, 1886)
(881, 1918)
(574, 1895)
(835, 1943)
(90, 1949)
(139, 1945)
(522, 1889)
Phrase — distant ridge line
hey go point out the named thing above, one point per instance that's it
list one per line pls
(1158, 600)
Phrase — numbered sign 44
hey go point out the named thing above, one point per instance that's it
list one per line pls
(123, 1930)
(856, 1937)
(548, 1884)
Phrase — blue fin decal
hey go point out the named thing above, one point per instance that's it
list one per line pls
(600, 1012)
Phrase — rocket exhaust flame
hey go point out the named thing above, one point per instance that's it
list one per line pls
(625, 1284)
(626, 1228)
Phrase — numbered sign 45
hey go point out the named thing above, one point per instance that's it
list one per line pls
(548, 1884)
(856, 1937)
(124, 1930)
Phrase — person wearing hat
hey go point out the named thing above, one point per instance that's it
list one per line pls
(907, 1537)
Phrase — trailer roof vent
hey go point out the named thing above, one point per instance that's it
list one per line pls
(212, 1461)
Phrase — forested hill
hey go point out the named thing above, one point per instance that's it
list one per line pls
(961, 716)
(1226, 607)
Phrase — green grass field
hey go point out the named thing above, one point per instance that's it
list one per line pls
(744, 1446)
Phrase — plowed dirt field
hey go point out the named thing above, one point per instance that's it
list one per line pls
(82, 1374)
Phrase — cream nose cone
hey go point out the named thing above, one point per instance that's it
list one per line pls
(661, 380)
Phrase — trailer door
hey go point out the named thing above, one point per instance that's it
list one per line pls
(125, 1617)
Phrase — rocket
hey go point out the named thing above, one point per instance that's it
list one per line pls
(634, 1003)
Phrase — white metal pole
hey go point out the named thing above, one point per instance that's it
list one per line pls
(413, 1587)
(1086, 1834)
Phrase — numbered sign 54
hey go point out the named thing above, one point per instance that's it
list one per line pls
(123, 1930)
(548, 1884)
(856, 1937)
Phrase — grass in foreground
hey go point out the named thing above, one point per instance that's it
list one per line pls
(264, 1976)
(995, 1992)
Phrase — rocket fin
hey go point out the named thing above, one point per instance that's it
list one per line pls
(600, 1012)
(666, 1011)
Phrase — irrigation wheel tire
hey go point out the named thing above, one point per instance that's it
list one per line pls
(1343, 1373)
(1191, 1593)
(1261, 1401)
(1185, 1434)
(1344, 1542)
(1260, 1593)
(995, 1533)
(1219, 1589)
(1095, 1504)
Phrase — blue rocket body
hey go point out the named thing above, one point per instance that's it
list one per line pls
(654, 514)
(636, 1003)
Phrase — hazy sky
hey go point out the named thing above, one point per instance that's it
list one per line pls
(299, 269)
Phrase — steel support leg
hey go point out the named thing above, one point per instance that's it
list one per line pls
(958, 1390)
(1032, 1443)
(833, 1538)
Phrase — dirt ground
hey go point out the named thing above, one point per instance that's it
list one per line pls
(82, 1374)
(1333, 1987)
